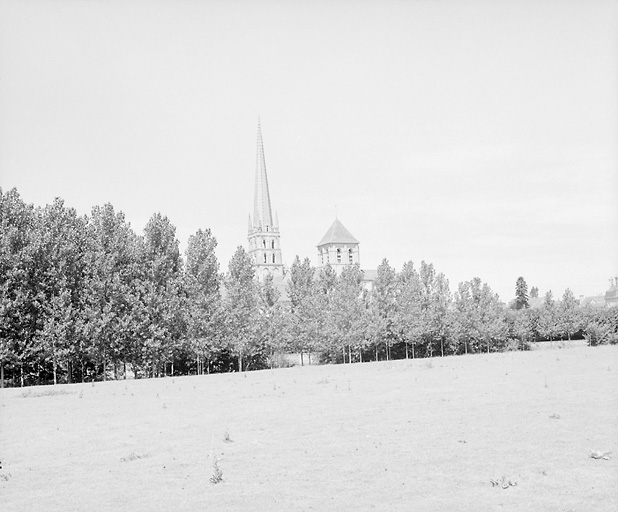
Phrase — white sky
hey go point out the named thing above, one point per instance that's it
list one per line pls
(480, 136)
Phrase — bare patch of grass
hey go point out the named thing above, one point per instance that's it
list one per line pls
(46, 392)
(133, 456)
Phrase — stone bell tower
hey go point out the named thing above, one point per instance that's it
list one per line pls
(264, 236)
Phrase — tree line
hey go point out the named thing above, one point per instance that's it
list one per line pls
(86, 298)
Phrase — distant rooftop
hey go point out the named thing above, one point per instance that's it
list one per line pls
(337, 234)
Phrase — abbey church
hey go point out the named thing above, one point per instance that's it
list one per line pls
(338, 247)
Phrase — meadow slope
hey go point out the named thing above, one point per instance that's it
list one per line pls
(421, 434)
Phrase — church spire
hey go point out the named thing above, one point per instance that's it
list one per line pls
(264, 236)
(262, 212)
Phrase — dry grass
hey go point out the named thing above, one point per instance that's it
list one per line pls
(374, 436)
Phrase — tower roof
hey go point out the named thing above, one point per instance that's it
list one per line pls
(262, 212)
(337, 234)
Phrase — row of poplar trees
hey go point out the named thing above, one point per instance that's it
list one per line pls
(86, 298)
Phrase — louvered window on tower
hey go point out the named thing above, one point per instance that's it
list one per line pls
(350, 256)
(338, 255)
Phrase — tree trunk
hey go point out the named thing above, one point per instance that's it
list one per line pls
(124, 369)
(172, 367)
(442, 346)
(240, 362)
(376, 352)
(466, 347)
(302, 362)
(21, 373)
(1, 374)
(309, 358)
(349, 353)
(413, 350)
(69, 372)
(55, 373)
(344, 354)
(83, 371)
(104, 372)
(406, 350)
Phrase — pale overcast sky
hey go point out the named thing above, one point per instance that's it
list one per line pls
(480, 136)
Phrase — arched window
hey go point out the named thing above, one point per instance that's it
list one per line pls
(264, 243)
(273, 258)
(338, 255)
(264, 258)
(272, 244)
(350, 256)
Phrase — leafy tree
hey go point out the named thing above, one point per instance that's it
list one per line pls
(61, 279)
(534, 292)
(521, 294)
(384, 295)
(408, 310)
(548, 318)
(600, 325)
(522, 327)
(568, 318)
(111, 296)
(202, 283)
(18, 286)
(478, 320)
(241, 308)
(162, 322)
(305, 319)
(274, 319)
(346, 312)
(434, 304)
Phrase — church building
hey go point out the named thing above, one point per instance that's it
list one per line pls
(264, 236)
(338, 248)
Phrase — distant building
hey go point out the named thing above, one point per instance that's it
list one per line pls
(338, 248)
(609, 299)
(595, 301)
(611, 295)
(264, 236)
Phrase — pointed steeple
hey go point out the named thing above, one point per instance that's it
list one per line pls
(264, 237)
(262, 213)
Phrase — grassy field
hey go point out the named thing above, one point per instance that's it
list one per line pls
(416, 435)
